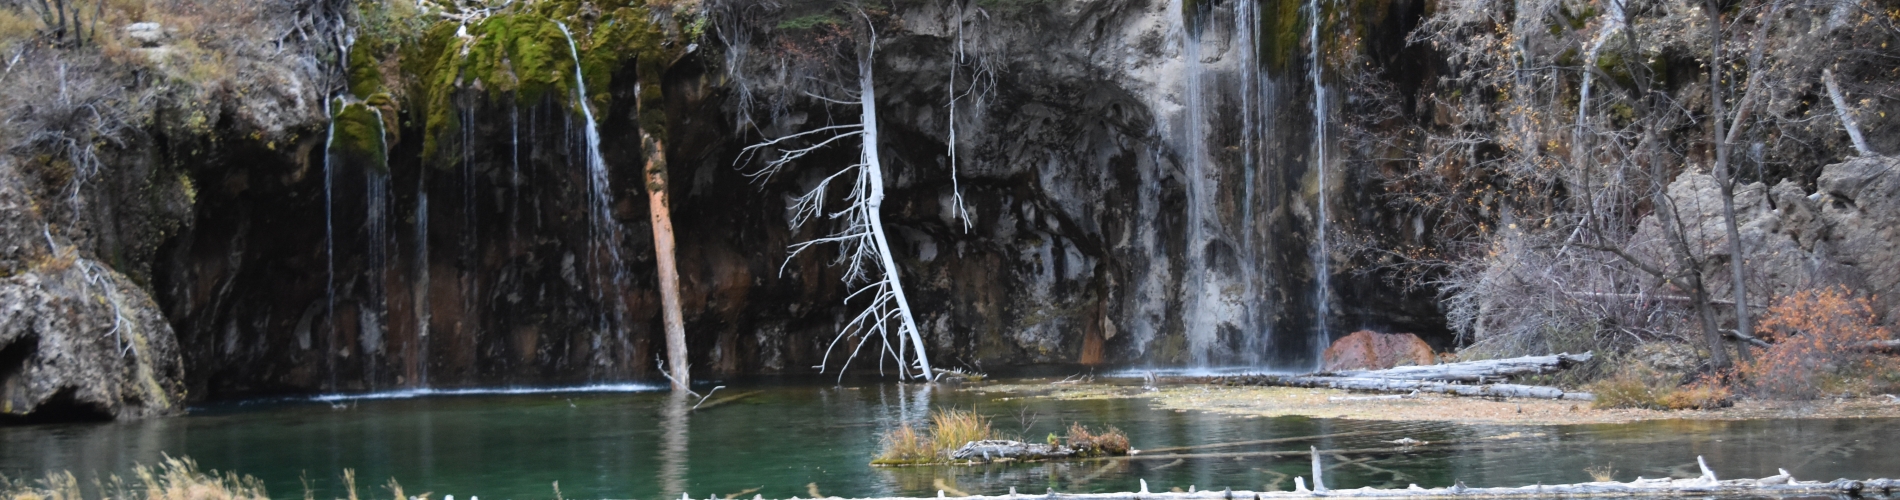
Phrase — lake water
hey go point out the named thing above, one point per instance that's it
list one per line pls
(788, 439)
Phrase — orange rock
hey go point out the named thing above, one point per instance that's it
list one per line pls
(1370, 350)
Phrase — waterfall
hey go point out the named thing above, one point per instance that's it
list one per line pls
(1196, 319)
(1253, 120)
(329, 244)
(1226, 317)
(372, 314)
(1322, 256)
(1612, 23)
(606, 230)
(420, 357)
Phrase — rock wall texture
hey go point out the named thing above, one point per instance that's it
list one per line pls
(1143, 182)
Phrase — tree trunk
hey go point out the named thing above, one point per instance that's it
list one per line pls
(1687, 268)
(874, 174)
(663, 257)
(1724, 179)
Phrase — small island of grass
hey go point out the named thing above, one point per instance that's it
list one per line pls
(964, 437)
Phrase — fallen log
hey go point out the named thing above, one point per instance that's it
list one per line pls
(1391, 385)
(997, 449)
(1781, 485)
(1474, 371)
(1881, 346)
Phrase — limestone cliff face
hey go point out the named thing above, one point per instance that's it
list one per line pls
(1145, 183)
(1136, 194)
(102, 144)
(78, 339)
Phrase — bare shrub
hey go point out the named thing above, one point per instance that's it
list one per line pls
(1109, 442)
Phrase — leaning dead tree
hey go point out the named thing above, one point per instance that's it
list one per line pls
(862, 245)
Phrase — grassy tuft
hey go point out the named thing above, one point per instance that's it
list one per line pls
(905, 446)
(951, 429)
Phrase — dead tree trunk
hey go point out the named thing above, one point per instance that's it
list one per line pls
(1724, 179)
(663, 257)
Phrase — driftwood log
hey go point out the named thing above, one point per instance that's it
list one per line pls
(997, 449)
(1474, 371)
(1444, 379)
(1390, 385)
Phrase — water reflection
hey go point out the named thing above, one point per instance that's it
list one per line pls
(777, 440)
(673, 434)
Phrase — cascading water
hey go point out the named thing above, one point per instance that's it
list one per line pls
(372, 314)
(1322, 255)
(606, 230)
(329, 244)
(1254, 114)
(420, 358)
(1226, 318)
(1200, 330)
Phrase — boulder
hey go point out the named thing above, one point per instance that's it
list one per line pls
(146, 34)
(1370, 350)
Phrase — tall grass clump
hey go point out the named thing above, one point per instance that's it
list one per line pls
(171, 479)
(949, 430)
(905, 446)
(1820, 347)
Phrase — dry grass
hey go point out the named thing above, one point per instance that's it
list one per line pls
(172, 479)
(904, 445)
(1601, 473)
(1110, 442)
(1635, 386)
(949, 430)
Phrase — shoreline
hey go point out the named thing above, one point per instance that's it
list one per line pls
(1256, 401)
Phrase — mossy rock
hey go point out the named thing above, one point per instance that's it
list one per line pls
(357, 135)
(525, 54)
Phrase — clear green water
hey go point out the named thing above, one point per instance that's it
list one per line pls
(642, 445)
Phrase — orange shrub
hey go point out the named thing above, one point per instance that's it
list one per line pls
(1816, 336)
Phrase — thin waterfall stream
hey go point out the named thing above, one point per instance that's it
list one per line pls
(1322, 255)
(606, 230)
(1200, 327)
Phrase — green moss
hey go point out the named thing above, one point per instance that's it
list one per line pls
(1283, 34)
(522, 53)
(365, 76)
(809, 22)
(359, 136)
